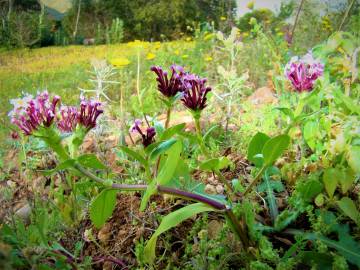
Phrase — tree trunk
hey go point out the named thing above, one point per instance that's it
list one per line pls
(77, 20)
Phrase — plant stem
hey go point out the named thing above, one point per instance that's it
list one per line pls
(346, 15)
(257, 177)
(199, 135)
(99, 180)
(224, 181)
(168, 115)
(238, 228)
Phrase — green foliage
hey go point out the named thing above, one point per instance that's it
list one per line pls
(102, 207)
(349, 208)
(91, 161)
(274, 148)
(256, 146)
(170, 221)
(269, 186)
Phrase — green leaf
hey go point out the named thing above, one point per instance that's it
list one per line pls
(102, 207)
(330, 179)
(208, 132)
(312, 258)
(286, 111)
(347, 101)
(349, 208)
(285, 218)
(91, 161)
(309, 190)
(162, 147)
(215, 164)
(311, 129)
(346, 180)
(274, 148)
(270, 198)
(169, 167)
(346, 246)
(134, 155)
(256, 146)
(353, 158)
(168, 133)
(166, 173)
(170, 221)
(62, 166)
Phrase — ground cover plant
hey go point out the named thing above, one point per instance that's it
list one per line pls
(231, 149)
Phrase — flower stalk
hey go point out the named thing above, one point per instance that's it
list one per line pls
(237, 227)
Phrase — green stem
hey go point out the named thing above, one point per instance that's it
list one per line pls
(224, 181)
(256, 179)
(199, 135)
(168, 115)
(237, 227)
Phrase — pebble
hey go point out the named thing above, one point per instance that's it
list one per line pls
(24, 212)
(219, 189)
(210, 189)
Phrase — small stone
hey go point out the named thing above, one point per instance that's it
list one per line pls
(104, 233)
(248, 168)
(38, 183)
(212, 180)
(24, 212)
(210, 189)
(11, 184)
(219, 189)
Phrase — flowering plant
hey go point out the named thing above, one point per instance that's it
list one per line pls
(38, 117)
(303, 72)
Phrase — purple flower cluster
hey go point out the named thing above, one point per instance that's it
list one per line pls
(89, 112)
(303, 72)
(28, 113)
(191, 86)
(147, 138)
(194, 97)
(169, 87)
(68, 118)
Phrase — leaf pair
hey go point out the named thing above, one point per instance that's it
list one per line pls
(264, 151)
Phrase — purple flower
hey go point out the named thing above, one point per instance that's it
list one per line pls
(195, 92)
(169, 87)
(89, 112)
(147, 138)
(303, 72)
(29, 115)
(69, 118)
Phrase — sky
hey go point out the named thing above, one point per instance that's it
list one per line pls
(274, 5)
(270, 4)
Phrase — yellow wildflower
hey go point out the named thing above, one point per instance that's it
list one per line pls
(120, 62)
(208, 58)
(250, 5)
(157, 45)
(188, 39)
(150, 56)
(177, 52)
(209, 36)
(222, 18)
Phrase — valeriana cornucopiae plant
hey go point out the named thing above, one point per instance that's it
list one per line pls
(170, 88)
(302, 73)
(40, 117)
